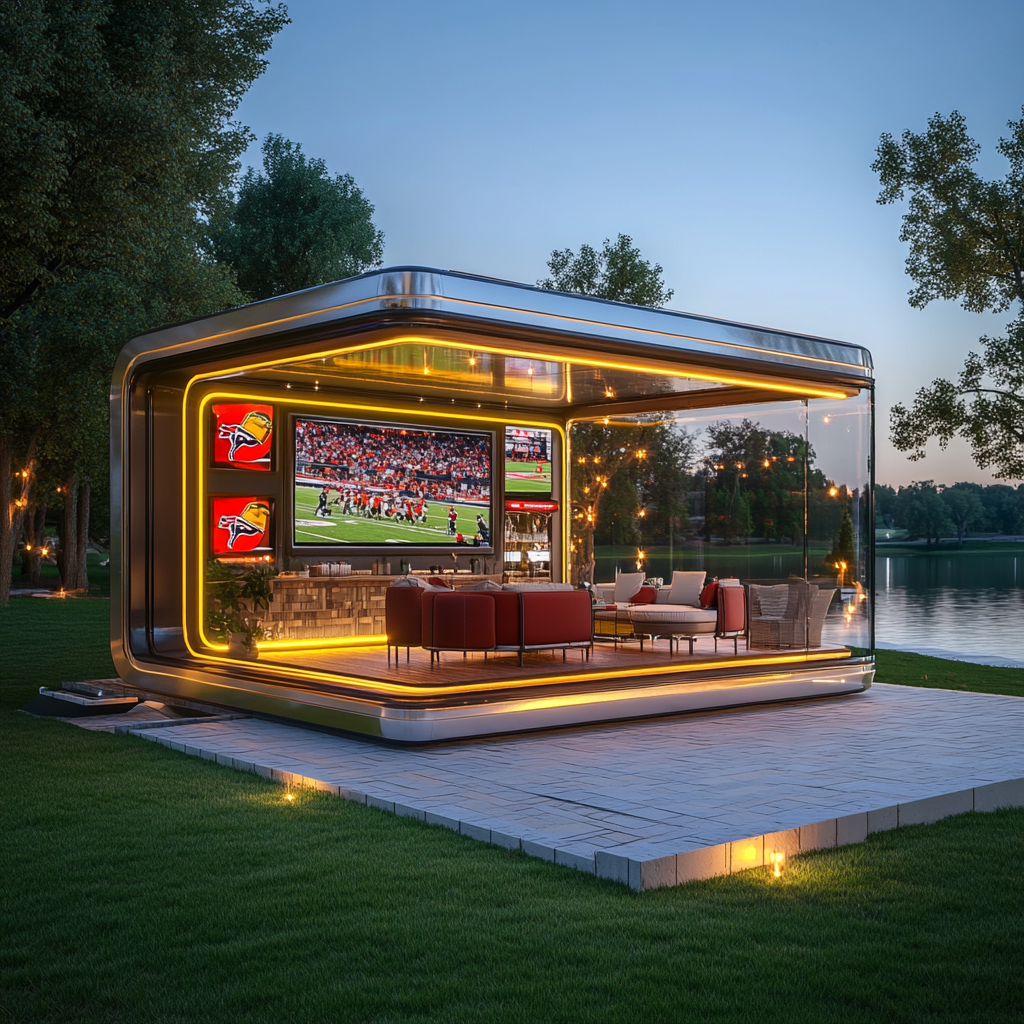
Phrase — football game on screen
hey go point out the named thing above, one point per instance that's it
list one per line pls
(527, 460)
(373, 484)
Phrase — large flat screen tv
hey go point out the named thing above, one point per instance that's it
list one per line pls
(375, 484)
(527, 460)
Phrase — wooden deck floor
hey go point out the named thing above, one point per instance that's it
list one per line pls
(372, 663)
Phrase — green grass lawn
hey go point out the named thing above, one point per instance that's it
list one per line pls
(145, 885)
(940, 674)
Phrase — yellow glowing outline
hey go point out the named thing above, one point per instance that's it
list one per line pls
(383, 688)
(302, 402)
(604, 364)
(405, 412)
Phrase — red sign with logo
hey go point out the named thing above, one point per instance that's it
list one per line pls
(238, 525)
(242, 435)
(531, 506)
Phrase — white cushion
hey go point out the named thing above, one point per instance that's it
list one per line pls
(411, 581)
(663, 595)
(672, 613)
(482, 585)
(686, 587)
(605, 592)
(626, 586)
(538, 586)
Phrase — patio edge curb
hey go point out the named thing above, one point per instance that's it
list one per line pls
(644, 865)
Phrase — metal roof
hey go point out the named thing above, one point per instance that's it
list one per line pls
(452, 295)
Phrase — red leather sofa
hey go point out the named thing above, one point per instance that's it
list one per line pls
(488, 620)
(402, 615)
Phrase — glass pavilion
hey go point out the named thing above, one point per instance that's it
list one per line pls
(663, 442)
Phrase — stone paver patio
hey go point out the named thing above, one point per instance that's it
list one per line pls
(663, 801)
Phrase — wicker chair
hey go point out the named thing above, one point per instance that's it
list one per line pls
(788, 614)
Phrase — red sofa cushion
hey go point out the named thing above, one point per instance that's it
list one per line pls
(403, 616)
(463, 621)
(427, 615)
(506, 617)
(645, 595)
(558, 617)
(708, 595)
(732, 609)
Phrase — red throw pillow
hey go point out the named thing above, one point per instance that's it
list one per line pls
(437, 581)
(709, 595)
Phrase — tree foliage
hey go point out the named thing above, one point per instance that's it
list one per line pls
(966, 238)
(294, 226)
(922, 511)
(964, 508)
(115, 124)
(969, 508)
(115, 121)
(618, 272)
(616, 459)
(754, 485)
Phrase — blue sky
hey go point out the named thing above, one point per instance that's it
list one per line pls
(731, 140)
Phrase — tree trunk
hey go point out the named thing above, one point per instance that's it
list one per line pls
(6, 517)
(12, 510)
(82, 541)
(67, 556)
(32, 554)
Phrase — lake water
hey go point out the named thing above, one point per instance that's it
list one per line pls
(967, 605)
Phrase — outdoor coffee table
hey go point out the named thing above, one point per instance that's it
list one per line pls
(674, 621)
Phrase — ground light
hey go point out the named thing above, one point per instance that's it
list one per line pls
(777, 862)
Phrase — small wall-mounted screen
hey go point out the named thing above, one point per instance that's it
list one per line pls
(527, 460)
(239, 525)
(376, 484)
(242, 435)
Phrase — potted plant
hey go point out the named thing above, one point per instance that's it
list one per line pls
(256, 588)
(223, 594)
(227, 618)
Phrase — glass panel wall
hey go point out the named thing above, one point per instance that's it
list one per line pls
(841, 517)
(775, 495)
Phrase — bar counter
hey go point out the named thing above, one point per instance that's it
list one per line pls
(331, 607)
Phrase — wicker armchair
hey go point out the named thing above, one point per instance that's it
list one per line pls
(788, 614)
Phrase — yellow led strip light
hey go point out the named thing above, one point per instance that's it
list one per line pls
(604, 364)
(384, 688)
(300, 403)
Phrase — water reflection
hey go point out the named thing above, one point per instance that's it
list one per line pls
(962, 603)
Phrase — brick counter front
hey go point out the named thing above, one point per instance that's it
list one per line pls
(327, 607)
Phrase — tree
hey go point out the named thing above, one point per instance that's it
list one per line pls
(754, 482)
(842, 558)
(294, 226)
(602, 451)
(115, 125)
(115, 120)
(966, 239)
(617, 272)
(599, 453)
(1004, 508)
(964, 508)
(923, 512)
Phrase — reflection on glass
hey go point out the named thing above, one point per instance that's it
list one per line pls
(776, 495)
